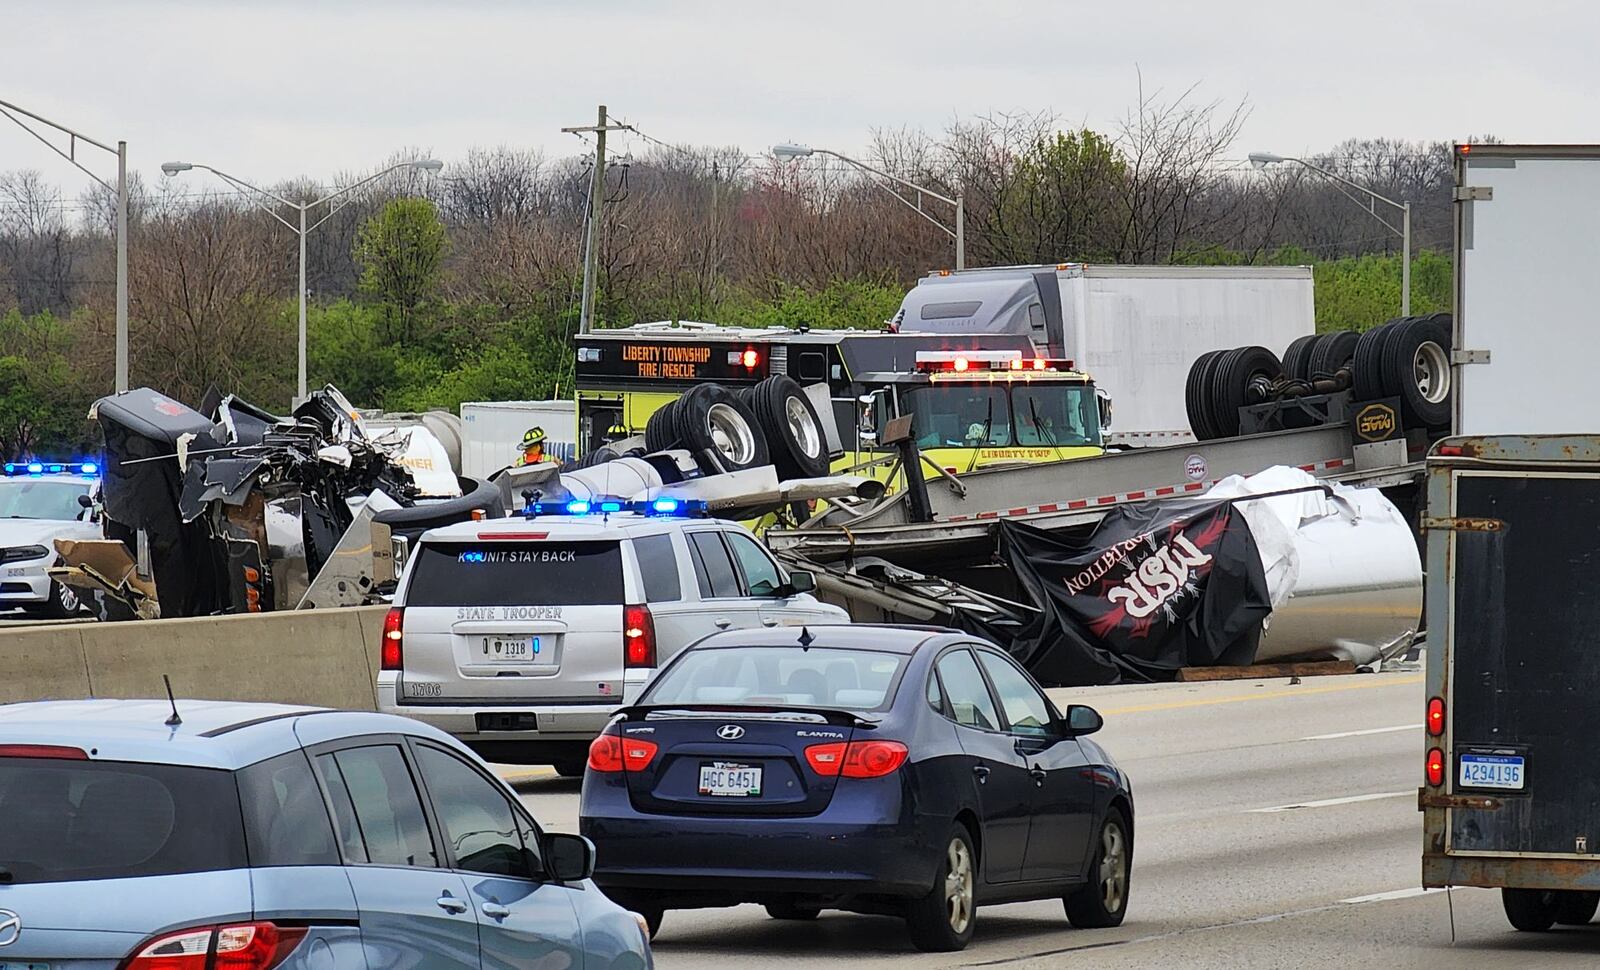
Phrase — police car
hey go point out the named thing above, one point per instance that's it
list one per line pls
(522, 636)
(41, 502)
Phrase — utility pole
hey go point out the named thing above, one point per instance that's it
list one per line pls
(597, 198)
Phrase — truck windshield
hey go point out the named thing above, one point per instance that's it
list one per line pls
(1065, 415)
(959, 415)
(24, 499)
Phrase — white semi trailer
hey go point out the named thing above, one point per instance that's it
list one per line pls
(1136, 329)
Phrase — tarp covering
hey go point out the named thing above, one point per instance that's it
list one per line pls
(1154, 588)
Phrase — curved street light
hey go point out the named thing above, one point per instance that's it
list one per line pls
(420, 165)
(789, 152)
(1260, 160)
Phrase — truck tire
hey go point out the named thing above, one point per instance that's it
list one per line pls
(1369, 382)
(1208, 379)
(711, 422)
(660, 432)
(1335, 352)
(1531, 910)
(792, 428)
(1416, 362)
(1235, 372)
(1576, 908)
(1297, 359)
(1197, 395)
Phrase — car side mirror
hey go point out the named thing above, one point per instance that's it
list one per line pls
(84, 501)
(1083, 719)
(800, 581)
(568, 858)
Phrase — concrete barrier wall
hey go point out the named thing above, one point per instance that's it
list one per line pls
(326, 658)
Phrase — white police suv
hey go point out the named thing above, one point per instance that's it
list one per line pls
(522, 636)
(41, 502)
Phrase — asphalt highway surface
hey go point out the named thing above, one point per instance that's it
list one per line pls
(1276, 827)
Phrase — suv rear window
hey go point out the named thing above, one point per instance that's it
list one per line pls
(518, 573)
(66, 821)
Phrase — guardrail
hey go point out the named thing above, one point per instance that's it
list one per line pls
(324, 658)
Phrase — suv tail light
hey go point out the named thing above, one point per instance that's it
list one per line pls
(612, 753)
(638, 637)
(392, 655)
(237, 946)
(858, 759)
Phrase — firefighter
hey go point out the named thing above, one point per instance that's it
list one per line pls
(532, 447)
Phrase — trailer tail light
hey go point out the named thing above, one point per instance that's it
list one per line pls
(238, 946)
(959, 364)
(751, 359)
(610, 753)
(391, 655)
(1435, 716)
(638, 637)
(1435, 767)
(857, 759)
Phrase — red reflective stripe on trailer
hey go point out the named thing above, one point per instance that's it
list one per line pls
(1168, 490)
(988, 515)
(1017, 511)
(1132, 495)
(1052, 507)
(1078, 504)
(1105, 499)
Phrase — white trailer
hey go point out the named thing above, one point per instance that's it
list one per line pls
(494, 430)
(1135, 329)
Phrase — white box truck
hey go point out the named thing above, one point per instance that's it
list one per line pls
(493, 432)
(1135, 329)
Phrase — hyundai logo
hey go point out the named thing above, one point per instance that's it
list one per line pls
(730, 732)
(10, 927)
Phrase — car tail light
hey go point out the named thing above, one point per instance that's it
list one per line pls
(392, 655)
(638, 637)
(1435, 767)
(58, 751)
(237, 946)
(611, 753)
(858, 759)
(1435, 716)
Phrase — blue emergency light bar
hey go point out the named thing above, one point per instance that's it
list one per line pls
(88, 469)
(610, 506)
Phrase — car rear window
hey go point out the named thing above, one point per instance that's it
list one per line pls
(67, 821)
(518, 573)
(854, 680)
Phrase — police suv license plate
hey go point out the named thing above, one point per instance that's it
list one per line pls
(724, 779)
(508, 649)
(1491, 771)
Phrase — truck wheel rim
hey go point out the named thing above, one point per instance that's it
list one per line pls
(1113, 868)
(1431, 369)
(731, 434)
(958, 886)
(802, 427)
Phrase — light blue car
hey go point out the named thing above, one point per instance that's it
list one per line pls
(254, 836)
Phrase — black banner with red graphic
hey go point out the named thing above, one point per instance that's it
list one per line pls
(1154, 588)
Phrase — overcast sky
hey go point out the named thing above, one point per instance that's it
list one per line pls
(275, 88)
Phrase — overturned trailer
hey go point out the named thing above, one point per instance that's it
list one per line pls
(232, 509)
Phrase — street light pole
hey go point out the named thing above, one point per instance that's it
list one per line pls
(421, 165)
(792, 152)
(71, 155)
(1263, 159)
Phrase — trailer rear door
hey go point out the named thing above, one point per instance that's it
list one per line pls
(1524, 650)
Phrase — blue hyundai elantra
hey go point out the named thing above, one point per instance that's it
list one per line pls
(875, 769)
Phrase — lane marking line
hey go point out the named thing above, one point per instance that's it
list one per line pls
(1379, 681)
(1330, 802)
(1361, 734)
(1391, 895)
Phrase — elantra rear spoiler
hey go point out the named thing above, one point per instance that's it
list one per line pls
(776, 712)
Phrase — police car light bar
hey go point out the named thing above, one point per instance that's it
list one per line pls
(88, 469)
(581, 507)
